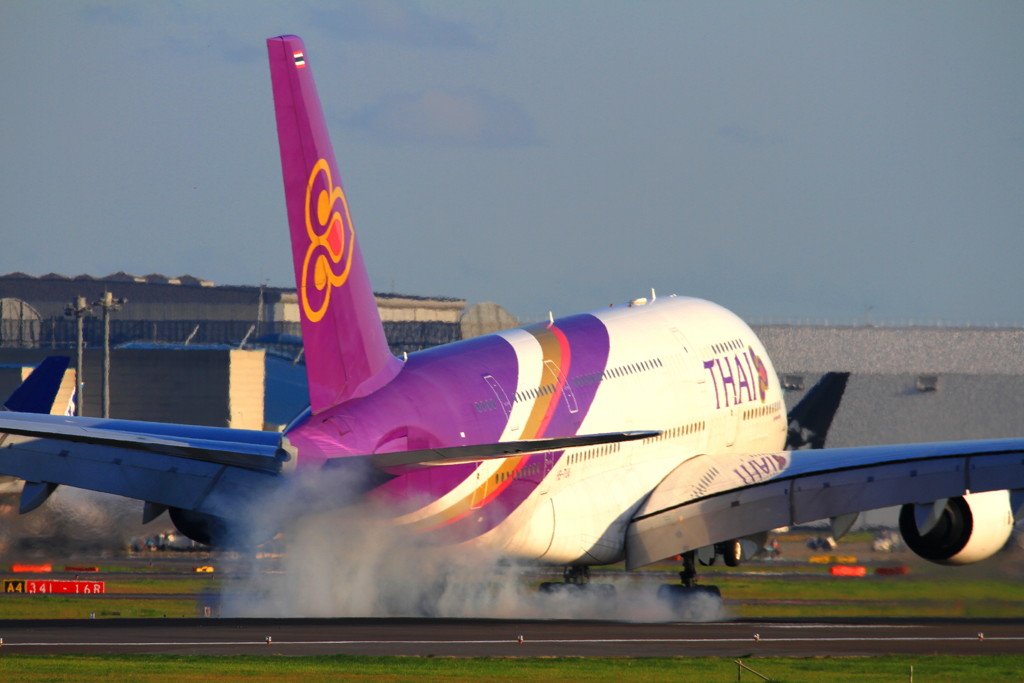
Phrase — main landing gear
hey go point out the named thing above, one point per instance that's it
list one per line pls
(576, 580)
(690, 601)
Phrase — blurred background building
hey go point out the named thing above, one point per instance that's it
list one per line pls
(185, 350)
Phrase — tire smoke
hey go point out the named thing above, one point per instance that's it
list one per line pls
(355, 561)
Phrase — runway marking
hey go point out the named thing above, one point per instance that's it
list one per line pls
(515, 641)
(838, 626)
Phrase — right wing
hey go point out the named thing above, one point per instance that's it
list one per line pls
(709, 500)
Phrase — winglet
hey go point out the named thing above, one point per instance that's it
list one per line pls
(37, 393)
(347, 355)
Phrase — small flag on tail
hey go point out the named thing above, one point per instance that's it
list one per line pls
(300, 59)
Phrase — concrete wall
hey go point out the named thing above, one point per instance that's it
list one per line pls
(893, 350)
(880, 409)
(218, 387)
(246, 388)
(410, 309)
(978, 377)
(215, 387)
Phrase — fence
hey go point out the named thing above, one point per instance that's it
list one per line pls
(61, 333)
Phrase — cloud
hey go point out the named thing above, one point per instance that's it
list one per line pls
(458, 118)
(395, 21)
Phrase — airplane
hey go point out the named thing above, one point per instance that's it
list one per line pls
(646, 430)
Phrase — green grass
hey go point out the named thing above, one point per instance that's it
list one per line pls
(846, 610)
(815, 595)
(188, 584)
(163, 583)
(889, 596)
(905, 588)
(75, 607)
(935, 669)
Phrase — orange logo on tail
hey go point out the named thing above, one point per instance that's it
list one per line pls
(331, 242)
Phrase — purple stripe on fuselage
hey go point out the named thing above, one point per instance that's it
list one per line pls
(588, 343)
(431, 403)
(442, 393)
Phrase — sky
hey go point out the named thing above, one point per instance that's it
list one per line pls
(793, 161)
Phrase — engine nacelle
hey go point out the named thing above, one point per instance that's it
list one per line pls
(202, 528)
(967, 529)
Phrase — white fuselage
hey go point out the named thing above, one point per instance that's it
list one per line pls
(685, 367)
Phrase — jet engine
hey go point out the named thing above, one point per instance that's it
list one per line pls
(960, 530)
(201, 527)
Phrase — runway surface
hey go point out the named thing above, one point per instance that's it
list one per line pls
(501, 638)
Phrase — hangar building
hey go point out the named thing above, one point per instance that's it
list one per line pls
(187, 351)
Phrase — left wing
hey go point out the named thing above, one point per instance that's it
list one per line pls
(453, 455)
(209, 470)
(709, 500)
(202, 469)
(251, 449)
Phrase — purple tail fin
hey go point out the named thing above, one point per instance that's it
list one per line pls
(346, 352)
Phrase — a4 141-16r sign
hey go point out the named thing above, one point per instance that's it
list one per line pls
(46, 587)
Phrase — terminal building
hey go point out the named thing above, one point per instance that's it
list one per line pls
(34, 312)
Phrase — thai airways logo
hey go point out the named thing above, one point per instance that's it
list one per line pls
(762, 373)
(331, 242)
(738, 377)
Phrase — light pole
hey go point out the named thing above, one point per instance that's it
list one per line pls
(108, 303)
(78, 309)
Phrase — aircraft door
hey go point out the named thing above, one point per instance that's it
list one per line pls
(503, 401)
(554, 374)
(684, 354)
(545, 480)
(732, 427)
(499, 394)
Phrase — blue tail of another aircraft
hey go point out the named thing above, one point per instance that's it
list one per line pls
(37, 393)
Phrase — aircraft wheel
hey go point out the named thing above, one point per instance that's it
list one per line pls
(605, 590)
(692, 603)
(732, 553)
